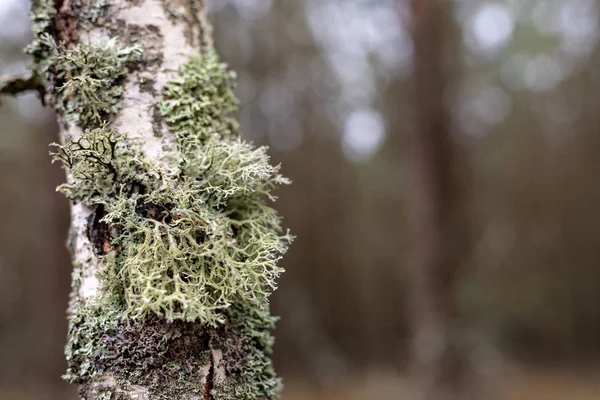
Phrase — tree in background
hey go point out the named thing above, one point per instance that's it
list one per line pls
(174, 248)
(434, 229)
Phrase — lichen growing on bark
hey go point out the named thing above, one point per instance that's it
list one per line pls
(184, 247)
(88, 78)
(247, 349)
(168, 358)
(42, 14)
(200, 103)
(191, 239)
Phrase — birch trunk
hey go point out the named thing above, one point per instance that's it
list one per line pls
(105, 65)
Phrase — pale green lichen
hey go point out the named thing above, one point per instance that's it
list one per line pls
(89, 78)
(100, 162)
(41, 15)
(94, 10)
(167, 358)
(199, 103)
(247, 350)
(187, 243)
(196, 236)
(85, 78)
(88, 324)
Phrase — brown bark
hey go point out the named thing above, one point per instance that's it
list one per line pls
(431, 207)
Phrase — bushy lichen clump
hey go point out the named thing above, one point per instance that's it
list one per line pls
(195, 236)
(188, 247)
(199, 103)
(89, 78)
(86, 78)
(186, 240)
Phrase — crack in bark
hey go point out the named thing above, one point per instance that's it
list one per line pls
(208, 384)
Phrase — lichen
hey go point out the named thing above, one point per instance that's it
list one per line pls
(94, 10)
(168, 358)
(88, 78)
(84, 79)
(152, 353)
(187, 245)
(195, 236)
(88, 323)
(247, 348)
(200, 102)
(42, 14)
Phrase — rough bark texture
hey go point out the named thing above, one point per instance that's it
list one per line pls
(431, 191)
(174, 250)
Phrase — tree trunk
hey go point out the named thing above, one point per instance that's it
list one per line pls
(174, 248)
(433, 223)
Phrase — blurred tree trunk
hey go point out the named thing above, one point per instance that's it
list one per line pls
(431, 207)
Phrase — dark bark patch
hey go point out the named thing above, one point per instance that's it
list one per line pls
(149, 37)
(65, 22)
(208, 384)
(99, 233)
(186, 11)
(156, 122)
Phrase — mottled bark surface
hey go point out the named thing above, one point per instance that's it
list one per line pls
(174, 250)
(168, 45)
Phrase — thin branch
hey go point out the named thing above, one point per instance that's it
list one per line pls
(15, 84)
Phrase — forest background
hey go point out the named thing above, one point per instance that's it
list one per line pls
(327, 85)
